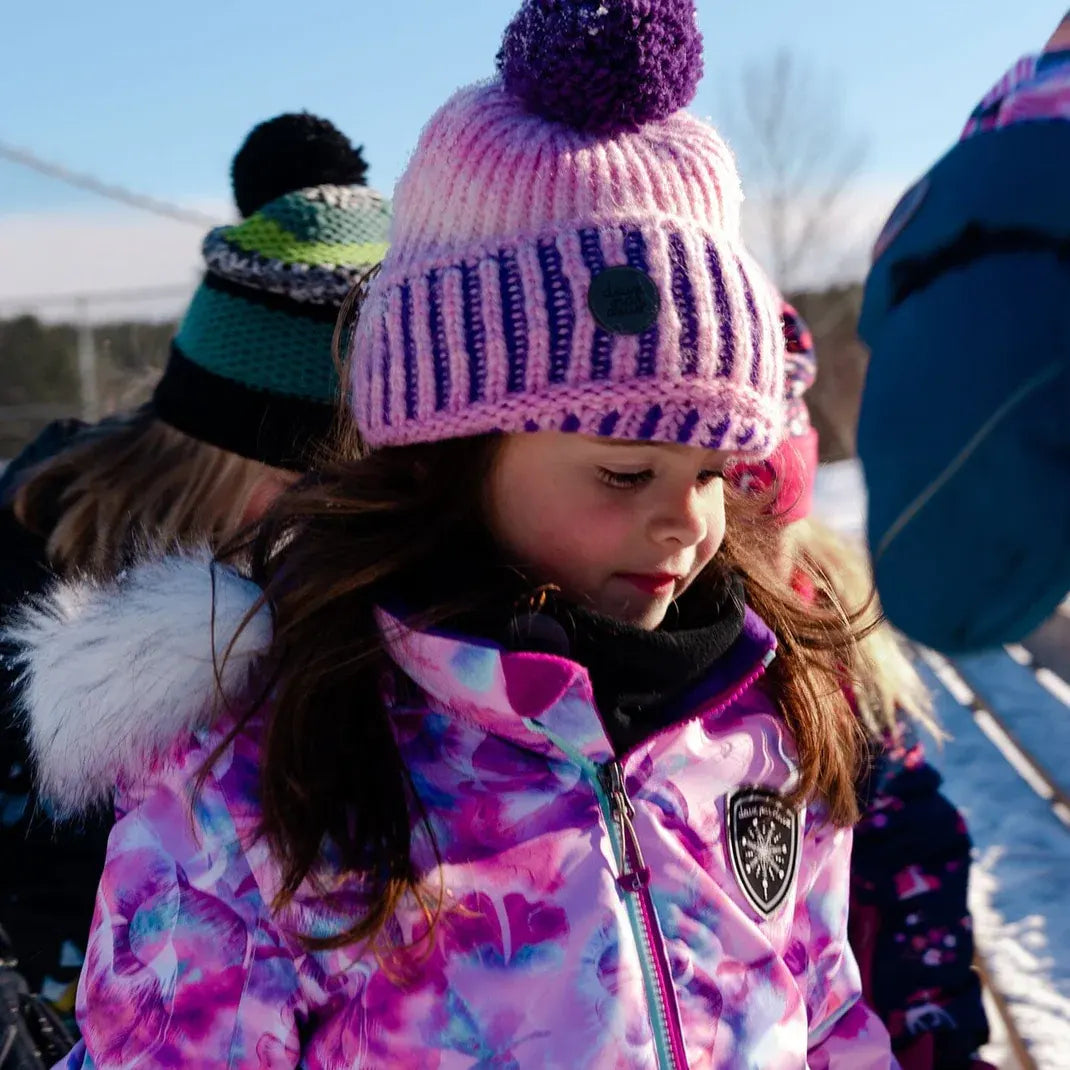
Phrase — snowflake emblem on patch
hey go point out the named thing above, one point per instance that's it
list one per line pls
(763, 845)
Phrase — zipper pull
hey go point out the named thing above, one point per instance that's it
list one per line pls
(634, 874)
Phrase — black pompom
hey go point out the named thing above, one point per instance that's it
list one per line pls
(292, 152)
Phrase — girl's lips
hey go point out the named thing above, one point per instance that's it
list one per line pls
(651, 582)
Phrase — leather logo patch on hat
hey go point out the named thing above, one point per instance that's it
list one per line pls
(624, 300)
(763, 842)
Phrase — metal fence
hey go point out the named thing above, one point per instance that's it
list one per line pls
(90, 328)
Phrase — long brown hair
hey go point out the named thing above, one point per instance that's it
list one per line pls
(887, 685)
(412, 519)
(141, 487)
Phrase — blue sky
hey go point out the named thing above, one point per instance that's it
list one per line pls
(157, 96)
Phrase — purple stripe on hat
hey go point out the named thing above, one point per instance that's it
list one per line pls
(560, 311)
(715, 433)
(755, 330)
(650, 423)
(439, 349)
(609, 422)
(475, 333)
(410, 353)
(687, 428)
(602, 346)
(635, 251)
(726, 357)
(384, 347)
(570, 423)
(531, 425)
(684, 298)
(514, 321)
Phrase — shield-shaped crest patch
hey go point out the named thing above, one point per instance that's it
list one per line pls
(763, 844)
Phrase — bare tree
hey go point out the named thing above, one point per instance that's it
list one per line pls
(799, 162)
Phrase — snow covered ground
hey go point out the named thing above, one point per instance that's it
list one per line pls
(840, 497)
(1007, 765)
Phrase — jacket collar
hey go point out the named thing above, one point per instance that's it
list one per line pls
(112, 676)
(503, 692)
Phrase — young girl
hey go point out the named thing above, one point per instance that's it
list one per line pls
(499, 762)
(910, 924)
(246, 400)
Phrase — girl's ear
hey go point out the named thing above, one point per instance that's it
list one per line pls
(272, 482)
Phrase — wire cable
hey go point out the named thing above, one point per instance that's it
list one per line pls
(24, 158)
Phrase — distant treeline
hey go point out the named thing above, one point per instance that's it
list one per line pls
(835, 398)
(39, 367)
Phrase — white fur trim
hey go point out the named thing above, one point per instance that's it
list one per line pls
(112, 675)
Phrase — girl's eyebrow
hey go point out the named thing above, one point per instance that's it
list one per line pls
(635, 445)
(661, 447)
(677, 449)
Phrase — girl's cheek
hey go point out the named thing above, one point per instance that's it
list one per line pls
(714, 541)
(599, 515)
(603, 533)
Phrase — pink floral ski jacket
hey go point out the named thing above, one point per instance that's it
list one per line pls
(660, 909)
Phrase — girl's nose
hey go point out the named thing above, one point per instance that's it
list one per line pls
(682, 517)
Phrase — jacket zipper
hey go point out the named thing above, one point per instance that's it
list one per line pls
(633, 879)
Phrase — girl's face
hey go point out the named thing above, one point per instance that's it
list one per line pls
(621, 527)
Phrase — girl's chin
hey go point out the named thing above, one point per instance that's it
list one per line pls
(648, 623)
(640, 611)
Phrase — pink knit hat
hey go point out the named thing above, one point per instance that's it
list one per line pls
(566, 253)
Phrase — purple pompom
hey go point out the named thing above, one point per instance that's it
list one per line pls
(603, 65)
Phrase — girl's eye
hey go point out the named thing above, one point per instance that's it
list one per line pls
(624, 480)
(635, 480)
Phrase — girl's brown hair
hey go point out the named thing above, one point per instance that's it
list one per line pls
(141, 487)
(887, 685)
(408, 523)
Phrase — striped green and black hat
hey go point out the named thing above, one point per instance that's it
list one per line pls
(251, 369)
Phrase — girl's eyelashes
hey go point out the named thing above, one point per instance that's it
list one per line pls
(635, 480)
(625, 480)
